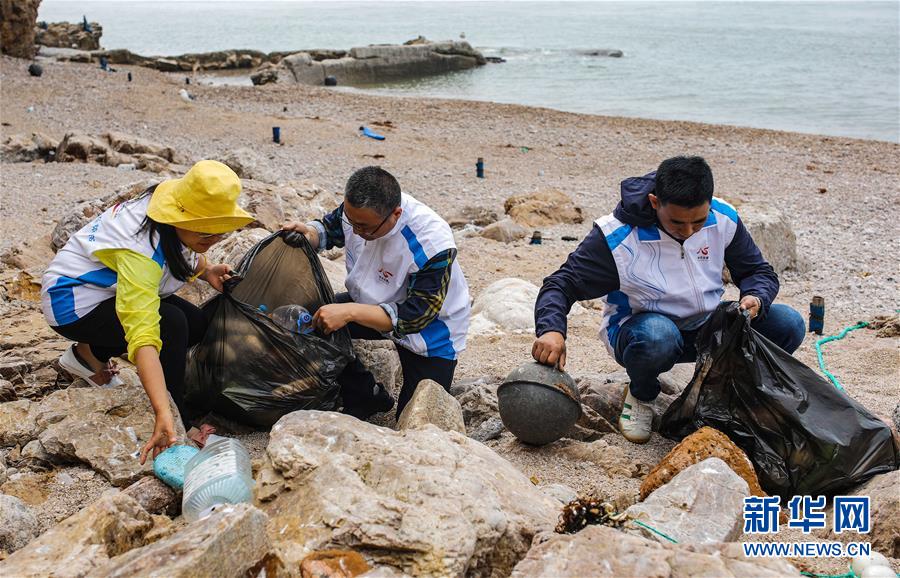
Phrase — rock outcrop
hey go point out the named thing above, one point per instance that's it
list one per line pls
(602, 552)
(379, 63)
(69, 35)
(425, 501)
(17, 20)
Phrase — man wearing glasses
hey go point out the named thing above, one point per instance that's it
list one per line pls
(403, 283)
(657, 261)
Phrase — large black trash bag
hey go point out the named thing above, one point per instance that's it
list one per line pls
(804, 436)
(249, 368)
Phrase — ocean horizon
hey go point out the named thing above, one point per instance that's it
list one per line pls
(830, 68)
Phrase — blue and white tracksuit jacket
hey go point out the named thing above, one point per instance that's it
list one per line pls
(635, 266)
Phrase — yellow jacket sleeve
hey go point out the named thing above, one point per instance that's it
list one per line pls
(137, 296)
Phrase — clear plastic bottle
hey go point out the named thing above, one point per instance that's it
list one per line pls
(219, 474)
(293, 318)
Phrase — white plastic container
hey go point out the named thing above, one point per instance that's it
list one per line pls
(219, 474)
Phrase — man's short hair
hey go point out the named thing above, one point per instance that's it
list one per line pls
(684, 181)
(373, 188)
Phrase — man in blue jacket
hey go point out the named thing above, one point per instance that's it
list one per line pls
(657, 261)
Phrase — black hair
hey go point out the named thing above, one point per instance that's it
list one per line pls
(172, 249)
(373, 188)
(684, 181)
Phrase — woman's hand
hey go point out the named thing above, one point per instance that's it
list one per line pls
(163, 435)
(216, 275)
(333, 317)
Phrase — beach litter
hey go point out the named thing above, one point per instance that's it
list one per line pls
(366, 131)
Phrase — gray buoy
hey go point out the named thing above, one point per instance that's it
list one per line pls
(538, 404)
(330, 81)
(35, 69)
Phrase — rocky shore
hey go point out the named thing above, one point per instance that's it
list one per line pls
(477, 503)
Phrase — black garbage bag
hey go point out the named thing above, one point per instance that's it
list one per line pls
(249, 368)
(804, 436)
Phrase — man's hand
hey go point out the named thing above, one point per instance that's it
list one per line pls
(216, 275)
(309, 232)
(163, 435)
(333, 317)
(752, 304)
(550, 349)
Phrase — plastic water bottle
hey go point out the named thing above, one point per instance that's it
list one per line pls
(293, 318)
(219, 474)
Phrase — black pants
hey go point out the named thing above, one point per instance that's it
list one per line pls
(181, 325)
(358, 383)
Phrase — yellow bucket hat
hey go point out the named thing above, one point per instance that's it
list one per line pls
(204, 200)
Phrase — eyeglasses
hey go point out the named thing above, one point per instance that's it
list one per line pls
(360, 230)
(210, 235)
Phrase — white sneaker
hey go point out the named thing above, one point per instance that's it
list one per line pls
(69, 361)
(636, 420)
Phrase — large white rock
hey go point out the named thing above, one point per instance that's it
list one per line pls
(602, 552)
(703, 504)
(507, 306)
(425, 501)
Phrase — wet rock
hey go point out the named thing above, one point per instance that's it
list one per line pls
(154, 496)
(602, 552)
(542, 208)
(702, 444)
(226, 544)
(489, 429)
(82, 543)
(334, 564)
(702, 504)
(505, 231)
(381, 358)
(507, 306)
(18, 526)
(885, 515)
(431, 404)
(20, 148)
(393, 487)
(7, 391)
(17, 23)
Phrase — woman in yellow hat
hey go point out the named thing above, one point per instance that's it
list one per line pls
(111, 287)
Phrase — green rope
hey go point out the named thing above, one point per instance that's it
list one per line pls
(825, 340)
(849, 574)
(655, 531)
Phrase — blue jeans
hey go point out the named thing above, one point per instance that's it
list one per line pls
(649, 344)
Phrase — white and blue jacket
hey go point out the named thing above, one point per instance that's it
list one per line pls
(635, 266)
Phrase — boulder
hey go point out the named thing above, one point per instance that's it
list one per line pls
(542, 208)
(69, 35)
(18, 526)
(431, 404)
(702, 504)
(704, 443)
(507, 306)
(17, 20)
(381, 358)
(82, 543)
(225, 544)
(303, 69)
(505, 231)
(771, 230)
(602, 552)
(884, 509)
(425, 501)
(21, 148)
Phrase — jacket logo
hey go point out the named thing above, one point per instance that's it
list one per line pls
(384, 275)
(703, 254)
